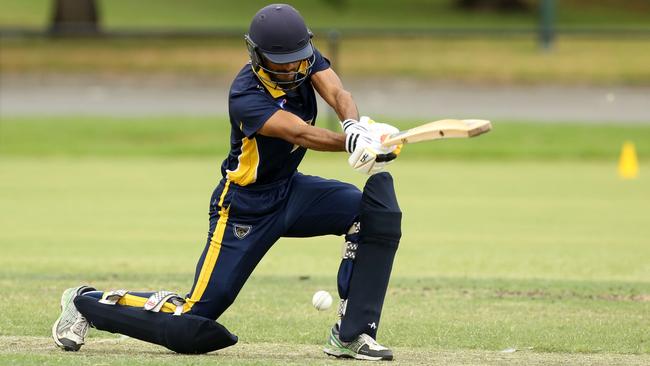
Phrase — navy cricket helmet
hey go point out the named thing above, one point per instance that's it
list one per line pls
(278, 34)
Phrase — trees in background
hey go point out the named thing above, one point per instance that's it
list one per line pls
(74, 16)
(498, 5)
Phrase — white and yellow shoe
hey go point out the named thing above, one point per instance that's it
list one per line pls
(70, 329)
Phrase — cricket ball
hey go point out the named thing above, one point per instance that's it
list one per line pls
(322, 300)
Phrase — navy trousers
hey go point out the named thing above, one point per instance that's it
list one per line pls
(246, 221)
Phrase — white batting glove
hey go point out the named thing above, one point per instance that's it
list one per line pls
(382, 129)
(353, 140)
(376, 127)
(355, 132)
(363, 141)
(362, 127)
(370, 157)
(351, 125)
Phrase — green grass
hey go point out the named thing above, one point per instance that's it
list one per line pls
(326, 14)
(208, 136)
(523, 238)
(550, 257)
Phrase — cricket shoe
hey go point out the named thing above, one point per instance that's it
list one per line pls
(70, 329)
(362, 348)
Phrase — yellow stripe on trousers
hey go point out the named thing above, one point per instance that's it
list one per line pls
(211, 256)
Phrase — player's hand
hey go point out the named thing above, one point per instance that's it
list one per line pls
(373, 126)
(367, 124)
(356, 133)
(364, 126)
(369, 157)
(351, 125)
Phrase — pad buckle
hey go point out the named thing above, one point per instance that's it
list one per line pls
(112, 297)
(156, 301)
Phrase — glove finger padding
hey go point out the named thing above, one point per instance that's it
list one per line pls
(367, 161)
(362, 159)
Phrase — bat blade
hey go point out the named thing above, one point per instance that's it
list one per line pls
(442, 129)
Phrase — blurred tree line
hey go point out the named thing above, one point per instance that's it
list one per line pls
(470, 5)
(75, 16)
(83, 15)
(498, 5)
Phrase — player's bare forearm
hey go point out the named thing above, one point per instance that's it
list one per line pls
(345, 106)
(320, 139)
(330, 87)
(291, 128)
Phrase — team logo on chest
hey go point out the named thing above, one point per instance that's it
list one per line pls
(241, 231)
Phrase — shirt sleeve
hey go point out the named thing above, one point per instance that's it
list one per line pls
(320, 62)
(251, 110)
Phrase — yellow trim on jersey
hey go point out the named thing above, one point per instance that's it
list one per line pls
(269, 85)
(303, 67)
(138, 302)
(273, 87)
(249, 160)
(211, 256)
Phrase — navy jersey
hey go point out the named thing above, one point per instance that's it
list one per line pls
(255, 159)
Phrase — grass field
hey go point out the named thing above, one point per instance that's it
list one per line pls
(546, 252)
(333, 13)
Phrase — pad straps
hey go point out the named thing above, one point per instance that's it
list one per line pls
(156, 301)
(112, 297)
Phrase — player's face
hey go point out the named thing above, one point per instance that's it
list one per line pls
(286, 72)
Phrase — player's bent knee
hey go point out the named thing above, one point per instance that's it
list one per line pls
(194, 335)
(380, 216)
(186, 333)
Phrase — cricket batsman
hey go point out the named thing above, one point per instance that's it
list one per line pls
(262, 197)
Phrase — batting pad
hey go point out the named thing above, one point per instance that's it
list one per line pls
(186, 333)
(380, 219)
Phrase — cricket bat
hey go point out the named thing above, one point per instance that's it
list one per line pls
(442, 129)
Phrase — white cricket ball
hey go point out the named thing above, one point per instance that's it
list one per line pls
(322, 300)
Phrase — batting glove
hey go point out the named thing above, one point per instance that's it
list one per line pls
(370, 157)
(363, 127)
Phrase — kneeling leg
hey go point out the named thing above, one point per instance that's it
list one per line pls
(182, 333)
